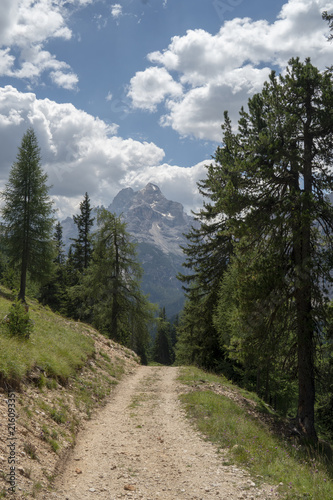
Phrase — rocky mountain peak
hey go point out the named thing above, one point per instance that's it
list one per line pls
(123, 200)
(152, 218)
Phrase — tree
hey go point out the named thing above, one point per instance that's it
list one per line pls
(208, 253)
(269, 181)
(28, 215)
(54, 292)
(60, 254)
(112, 286)
(82, 247)
(162, 350)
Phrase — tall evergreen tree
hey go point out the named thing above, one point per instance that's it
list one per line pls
(28, 214)
(58, 238)
(54, 292)
(82, 246)
(112, 286)
(269, 182)
(162, 350)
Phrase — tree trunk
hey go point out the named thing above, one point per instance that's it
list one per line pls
(303, 294)
(306, 386)
(23, 282)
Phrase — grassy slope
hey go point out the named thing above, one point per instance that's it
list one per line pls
(235, 421)
(60, 375)
(56, 346)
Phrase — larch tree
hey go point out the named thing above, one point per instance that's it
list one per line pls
(28, 215)
(111, 286)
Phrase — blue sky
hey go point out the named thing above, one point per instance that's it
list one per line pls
(125, 92)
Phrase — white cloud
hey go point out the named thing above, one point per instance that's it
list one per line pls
(221, 71)
(148, 88)
(116, 10)
(176, 183)
(25, 26)
(65, 80)
(79, 152)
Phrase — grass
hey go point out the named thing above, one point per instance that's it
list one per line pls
(250, 444)
(70, 347)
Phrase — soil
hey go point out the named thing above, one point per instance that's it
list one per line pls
(142, 446)
(49, 415)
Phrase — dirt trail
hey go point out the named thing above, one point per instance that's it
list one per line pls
(141, 446)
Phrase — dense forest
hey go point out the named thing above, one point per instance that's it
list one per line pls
(258, 282)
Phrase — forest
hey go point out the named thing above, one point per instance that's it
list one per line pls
(258, 282)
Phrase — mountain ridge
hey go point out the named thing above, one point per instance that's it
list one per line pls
(158, 227)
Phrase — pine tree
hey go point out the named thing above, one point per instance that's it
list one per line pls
(82, 247)
(269, 182)
(58, 238)
(28, 215)
(162, 350)
(54, 292)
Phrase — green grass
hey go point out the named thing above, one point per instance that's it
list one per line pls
(250, 444)
(56, 346)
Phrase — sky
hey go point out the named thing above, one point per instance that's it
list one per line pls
(122, 93)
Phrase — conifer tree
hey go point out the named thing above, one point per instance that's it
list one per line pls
(162, 350)
(111, 287)
(267, 188)
(54, 292)
(82, 247)
(28, 215)
(58, 238)
(268, 184)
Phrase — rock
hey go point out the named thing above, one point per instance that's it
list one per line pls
(129, 487)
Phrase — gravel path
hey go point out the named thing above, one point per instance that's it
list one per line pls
(141, 446)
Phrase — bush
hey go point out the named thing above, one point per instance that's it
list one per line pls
(18, 320)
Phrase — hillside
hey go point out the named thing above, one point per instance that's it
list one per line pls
(57, 380)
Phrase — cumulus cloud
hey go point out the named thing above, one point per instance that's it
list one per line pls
(150, 87)
(25, 26)
(234, 62)
(79, 152)
(82, 153)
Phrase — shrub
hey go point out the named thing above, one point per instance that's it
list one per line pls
(18, 320)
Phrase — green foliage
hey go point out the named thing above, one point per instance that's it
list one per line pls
(28, 215)
(18, 320)
(54, 292)
(82, 247)
(109, 293)
(269, 223)
(162, 349)
(70, 346)
(198, 341)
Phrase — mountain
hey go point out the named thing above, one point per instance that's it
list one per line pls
(158, 226)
